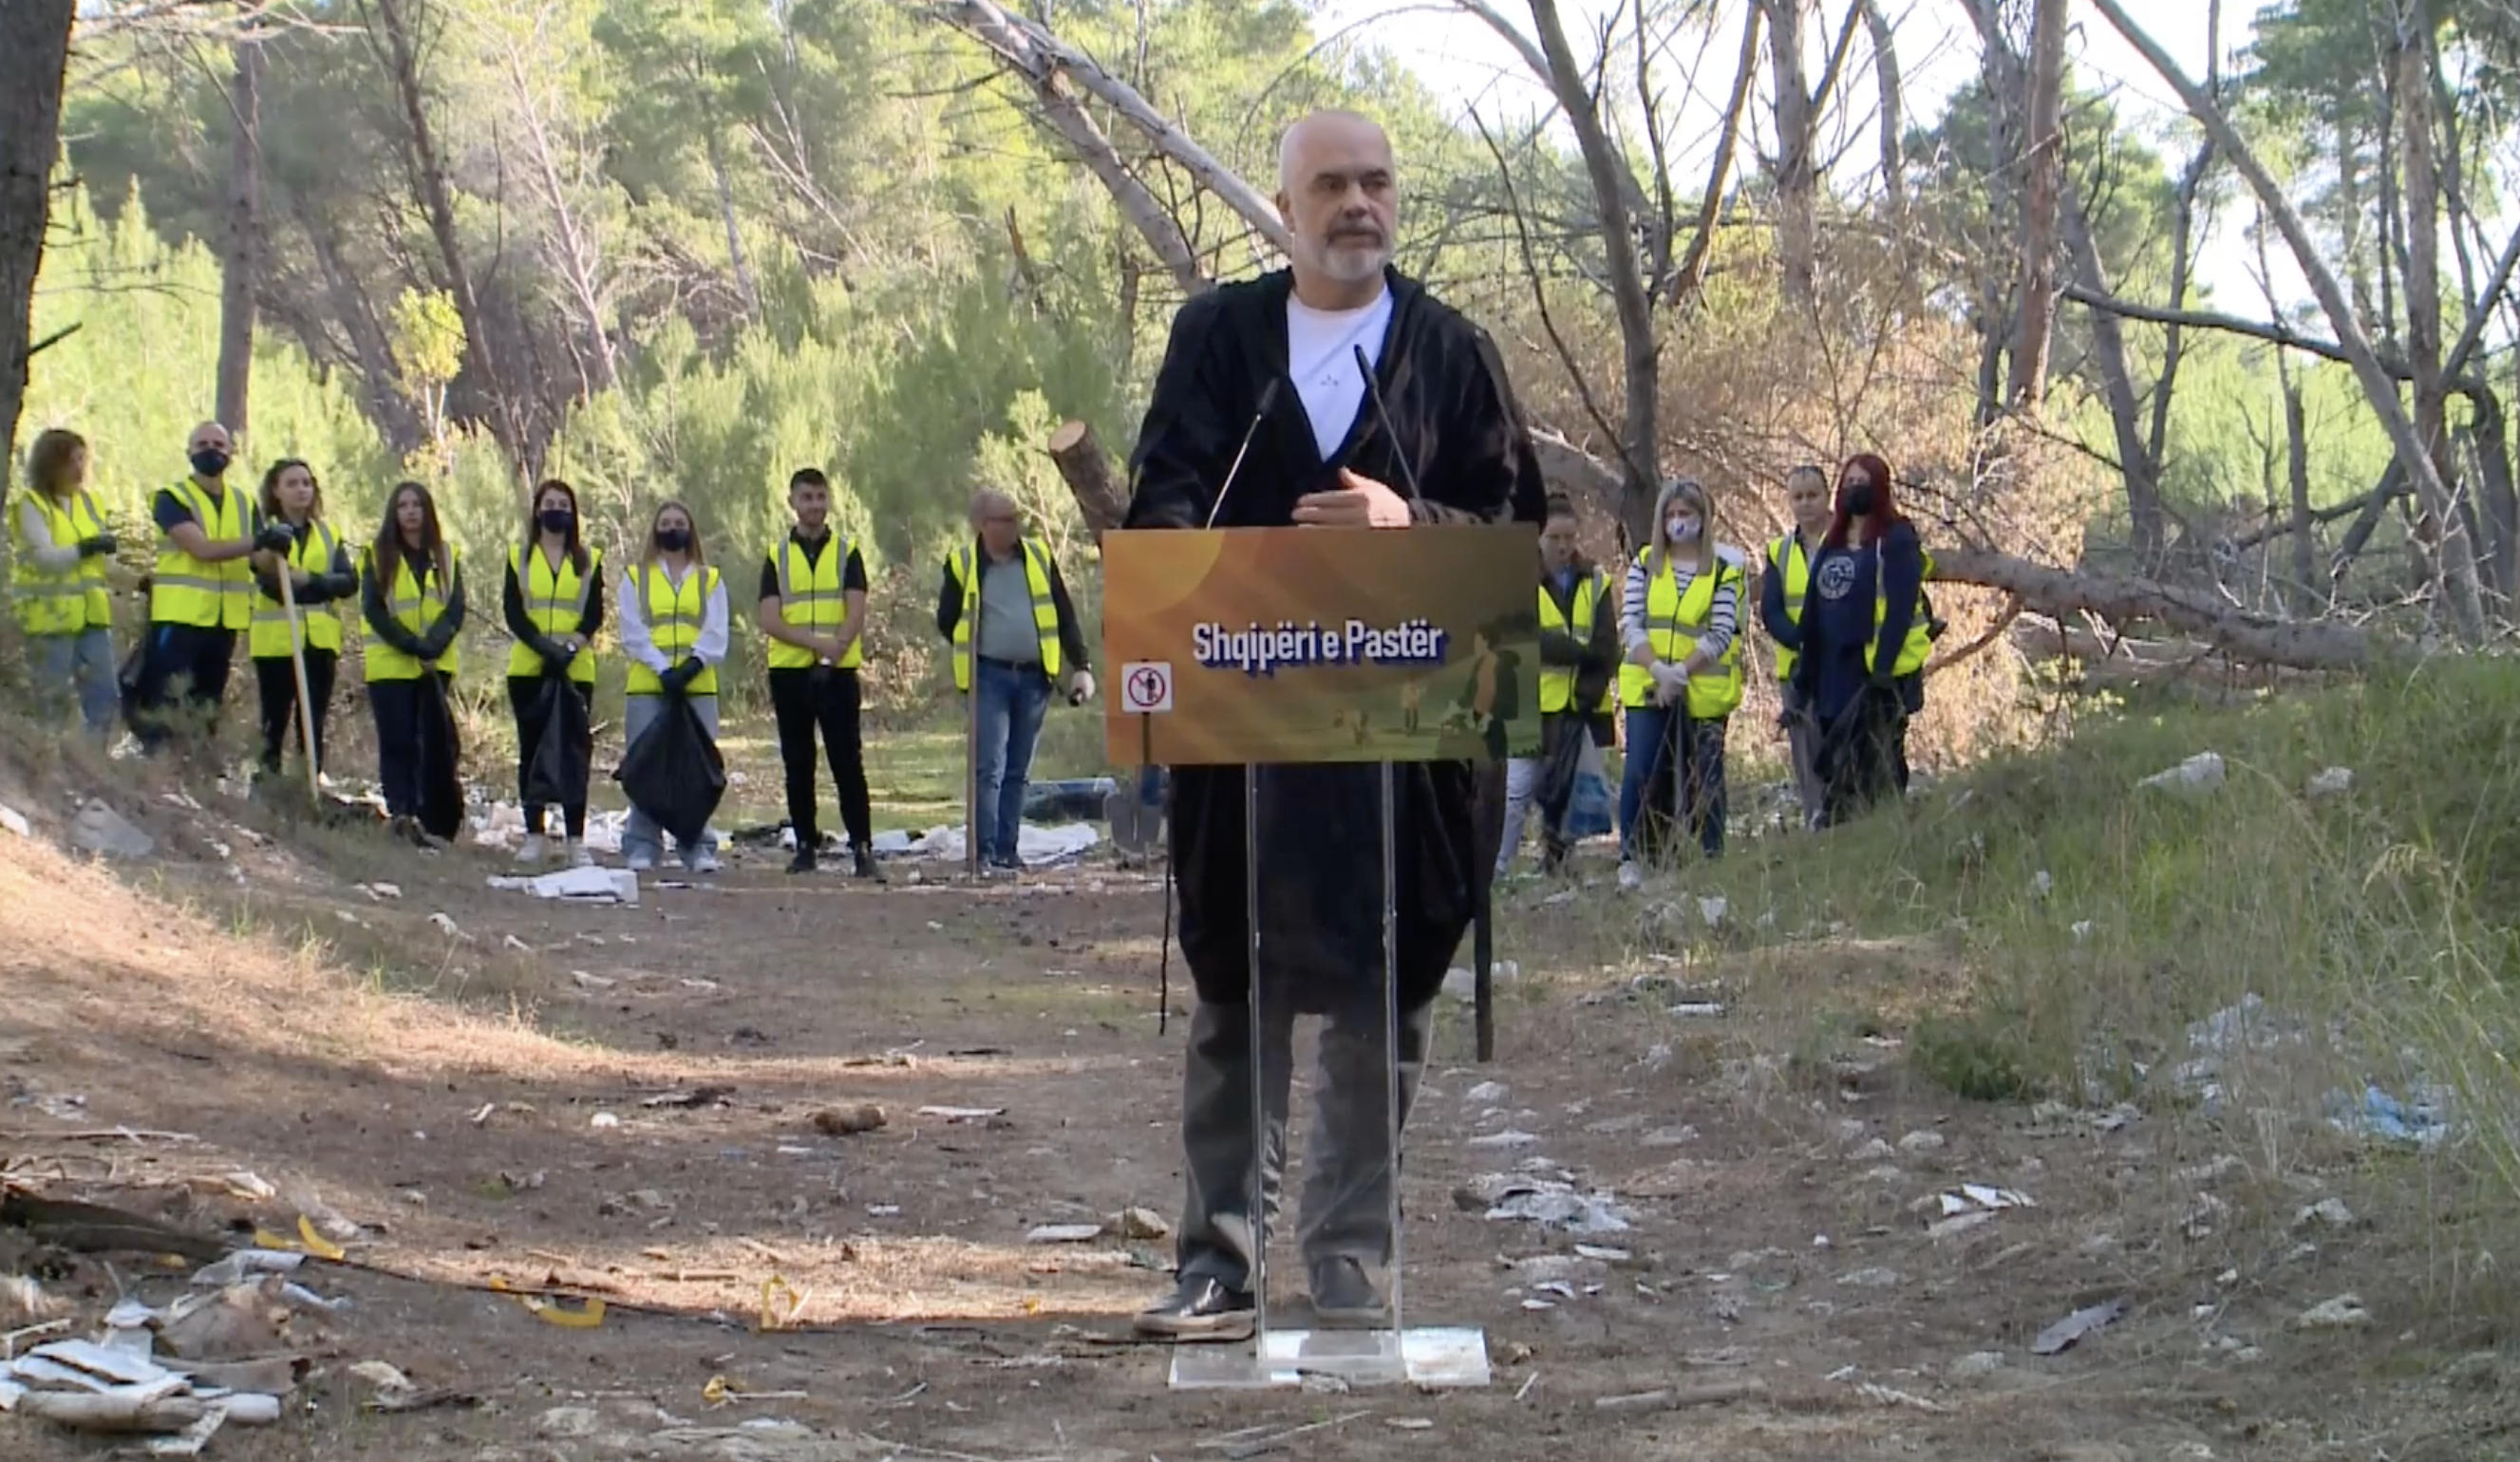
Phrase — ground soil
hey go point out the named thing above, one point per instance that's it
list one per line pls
(482, 1106)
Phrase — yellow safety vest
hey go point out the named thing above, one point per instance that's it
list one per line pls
(1045, 609)
(74, 599)
(1673, 623)
(556, 604)
(1785, 556)
(1920, 643)
(674, 618)
(415, 606)
(1557, 681)
(811, 598)
(270, 639)
(184, 590)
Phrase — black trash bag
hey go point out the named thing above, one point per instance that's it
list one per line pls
(127, 679)
(674, 774)
(1858, 758)
(1562, 764)
(441, 782)
(557, 772)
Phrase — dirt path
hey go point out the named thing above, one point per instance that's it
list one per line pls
(501, 1120)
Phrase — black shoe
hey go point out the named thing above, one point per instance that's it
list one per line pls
(1343, 1296)
(862, 863)
(804, 861)
(1005, 864)
(1200, 1308)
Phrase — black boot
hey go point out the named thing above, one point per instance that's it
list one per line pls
(804, 861)
(862, 861)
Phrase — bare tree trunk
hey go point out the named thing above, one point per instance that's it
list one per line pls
(2458, 565)
(1885, 72)
(401, 56)
(1797, 178)
(241, 267)
(2183, 240)
(572, 253)
(2305, 545)
(745, 287)
(390, 407)
(2138, 462)
(34, 52)
(2043, 153)
(1641, 353)
(2423, 268)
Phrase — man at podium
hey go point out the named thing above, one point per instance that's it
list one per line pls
(1431, 436)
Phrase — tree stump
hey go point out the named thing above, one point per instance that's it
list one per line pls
(1101, 494)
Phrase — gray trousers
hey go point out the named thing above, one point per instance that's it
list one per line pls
(1802, 741)
(1348, 1174)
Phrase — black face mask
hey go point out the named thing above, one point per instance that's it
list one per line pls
(210, 461)
(1859, 499)
(674, 539)
(555, 520)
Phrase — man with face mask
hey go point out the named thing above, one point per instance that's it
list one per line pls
(200, 591)
(1276, 358)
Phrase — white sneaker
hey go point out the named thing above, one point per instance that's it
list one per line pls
(533, 850)
(639, 862)
(580, 855)
(1630, 877)
(703, 861)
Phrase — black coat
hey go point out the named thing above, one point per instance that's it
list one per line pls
(1319, 827)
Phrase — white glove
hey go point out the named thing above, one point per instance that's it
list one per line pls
(1671, 682)
(1080, 686)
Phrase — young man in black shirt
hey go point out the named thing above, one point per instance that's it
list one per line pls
(813, 610)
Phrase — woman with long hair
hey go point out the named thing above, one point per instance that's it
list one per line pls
(674, 631)
(1679, 616)
(1864, 638)
(63, 597)
(318, 566)
(412, 602)
(552, 603)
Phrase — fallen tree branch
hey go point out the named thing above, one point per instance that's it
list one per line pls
(2004, 620)
(2305, 645)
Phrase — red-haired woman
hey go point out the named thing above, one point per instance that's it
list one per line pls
(1864, 638)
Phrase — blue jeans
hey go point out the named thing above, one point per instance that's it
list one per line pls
(1011, 700)
(1699, 779)
(80, 662)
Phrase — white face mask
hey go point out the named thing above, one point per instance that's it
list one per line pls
(1682, 529)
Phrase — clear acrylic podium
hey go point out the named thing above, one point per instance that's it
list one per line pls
(1350, 1191)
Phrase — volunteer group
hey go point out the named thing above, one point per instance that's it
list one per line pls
(270, 567)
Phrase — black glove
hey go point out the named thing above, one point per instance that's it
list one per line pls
(1884, 680)
(676, 679)
(102, 542)
(341, 586)
(274, 538)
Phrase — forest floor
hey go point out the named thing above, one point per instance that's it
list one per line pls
(505, 1104)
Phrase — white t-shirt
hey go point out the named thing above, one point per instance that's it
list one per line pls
(1321, 357)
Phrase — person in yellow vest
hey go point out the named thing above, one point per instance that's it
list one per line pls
(813, 611)
(1680, 619)
(320, 577)
(1781, 584)
(1004, 604)
(1578, 661)
(63, 602)
(200, 591)
(674, 631)
(1866, 631)
(553, 602)
(412, 597)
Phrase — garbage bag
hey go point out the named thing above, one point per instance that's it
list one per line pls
(127, 679)
(557, 771)
(674, 773)
(442, 781)
(1591, 809)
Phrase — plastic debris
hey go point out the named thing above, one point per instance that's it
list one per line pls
(2198, 774)
(2066, 1333)
(576, 885)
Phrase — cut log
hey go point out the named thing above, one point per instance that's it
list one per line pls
(2303, 645)
(1101, 497)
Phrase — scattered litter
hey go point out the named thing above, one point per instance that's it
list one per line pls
(347, 918)
(586, 981)
(590, 885)
(884, 1209)
(380, 890)
(1871, 1279)
(1681, 1397)
(1887, 1397)
(243, 1264)
(1035, 846)
(1486, 1094)
(2344, 1312)
(446, 926)
(962, 1114)
(2334, 782)
(1509, 1138)
(1956, 1225)
(103, 831)
(2067, 1332)
(517, 945)
(690, 1099)
(1144, 1224)
(2330, 1213)
(603, 1120)
(15, 821)
(848, 1122)
(1064, 1233)
(1712, 907)
(1977, 1366)
(2199, 774)
(1558, 1204)
(1687, 1008)
(1603, 1254)
(2042, 884)
(1919, 1142)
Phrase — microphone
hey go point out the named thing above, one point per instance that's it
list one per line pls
(1268, 399)
(1382, 412)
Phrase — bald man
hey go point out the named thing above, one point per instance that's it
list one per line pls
(1319, 454)
(201, 592)
(1015, 636)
